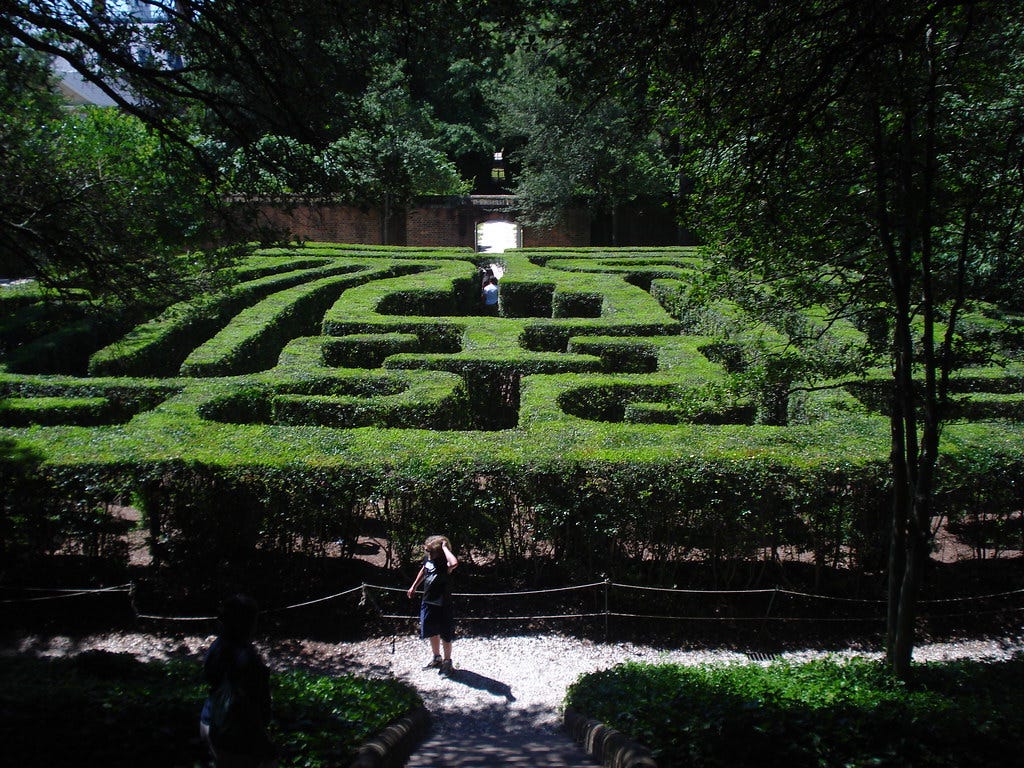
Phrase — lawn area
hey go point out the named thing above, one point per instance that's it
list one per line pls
(103, 709)
(849, 713)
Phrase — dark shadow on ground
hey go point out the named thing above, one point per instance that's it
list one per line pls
(483, 683)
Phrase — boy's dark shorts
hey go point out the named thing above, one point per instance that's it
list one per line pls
(437, 620)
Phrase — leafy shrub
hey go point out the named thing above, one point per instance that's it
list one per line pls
(54, 710)
(158, 347)
(255, 337)
(618, 355)
(367, 350)
(852, 713)
(522, 299)
(425, 303)
(85, 411)
(491, 426)
(572, 304)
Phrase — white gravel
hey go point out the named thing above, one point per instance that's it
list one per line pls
(502, 707)
(527, 673)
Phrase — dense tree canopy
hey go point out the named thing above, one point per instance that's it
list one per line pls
(572, 151)
(878, 144)
(92, 199)
(371, 103)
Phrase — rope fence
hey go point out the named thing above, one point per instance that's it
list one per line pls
(371, 597)
(63, 593)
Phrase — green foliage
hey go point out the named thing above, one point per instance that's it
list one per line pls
(827, 712)
(322, 721)
(160, 346)
(572, 304)
(255, 337)
(92, 199)
(367, 350)
(568, 152)
(841, 155)
(611, 439)
(618, 355)
(53, 710)
(21, 412)
(66, 348)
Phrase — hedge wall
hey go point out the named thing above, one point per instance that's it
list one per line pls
(594, 423)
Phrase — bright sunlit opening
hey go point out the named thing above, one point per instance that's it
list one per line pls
(497, 236)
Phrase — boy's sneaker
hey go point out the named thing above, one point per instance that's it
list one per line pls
(435, 664)
(446, 670)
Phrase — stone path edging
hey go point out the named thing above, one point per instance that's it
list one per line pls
(391, 747)
(606, 745)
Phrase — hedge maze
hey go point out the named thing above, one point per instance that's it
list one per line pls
(597, 420)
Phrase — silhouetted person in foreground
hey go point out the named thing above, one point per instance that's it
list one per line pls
(236, 714)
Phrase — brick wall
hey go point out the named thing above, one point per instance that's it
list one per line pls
(445, 222)
(327, 223)
(574, 233)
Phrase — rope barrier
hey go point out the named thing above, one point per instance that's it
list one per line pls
(267, 611)
(501, 594)
(75, 591)
(315, 601)
(529, 591)
(65, 594)
(832, 598)
(773, 591)
(124, 587)
(779, 619)
(973, 597)
(153, 617)
(406, 617)
(367, 599)
(694, 591)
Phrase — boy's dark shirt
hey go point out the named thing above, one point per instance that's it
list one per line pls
(436, 587)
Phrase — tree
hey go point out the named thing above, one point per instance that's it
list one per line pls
(91, 198)
(864, 154)
(291, 92)
(391, 153)
(569, 153)
(394, 155)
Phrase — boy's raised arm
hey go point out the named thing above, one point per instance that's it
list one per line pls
(450, 557)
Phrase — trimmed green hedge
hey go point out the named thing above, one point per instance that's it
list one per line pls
(852, 713)
(395, 400)
(255, 337)
(159, 347)
(323, 406)
(367, 350)
(48, 411)
(618, 355)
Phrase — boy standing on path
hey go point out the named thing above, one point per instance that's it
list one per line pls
(437, 618)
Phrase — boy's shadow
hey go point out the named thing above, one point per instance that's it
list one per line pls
(483, 683)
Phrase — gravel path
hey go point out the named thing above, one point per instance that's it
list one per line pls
(504, 699)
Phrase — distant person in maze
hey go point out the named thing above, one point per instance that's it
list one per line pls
(490, 295)
(236, 714)
(437, 617)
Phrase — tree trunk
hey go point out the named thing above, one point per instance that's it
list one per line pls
(902, 650)
(898, 532)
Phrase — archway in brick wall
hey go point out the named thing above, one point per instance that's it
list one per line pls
(495, 235)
